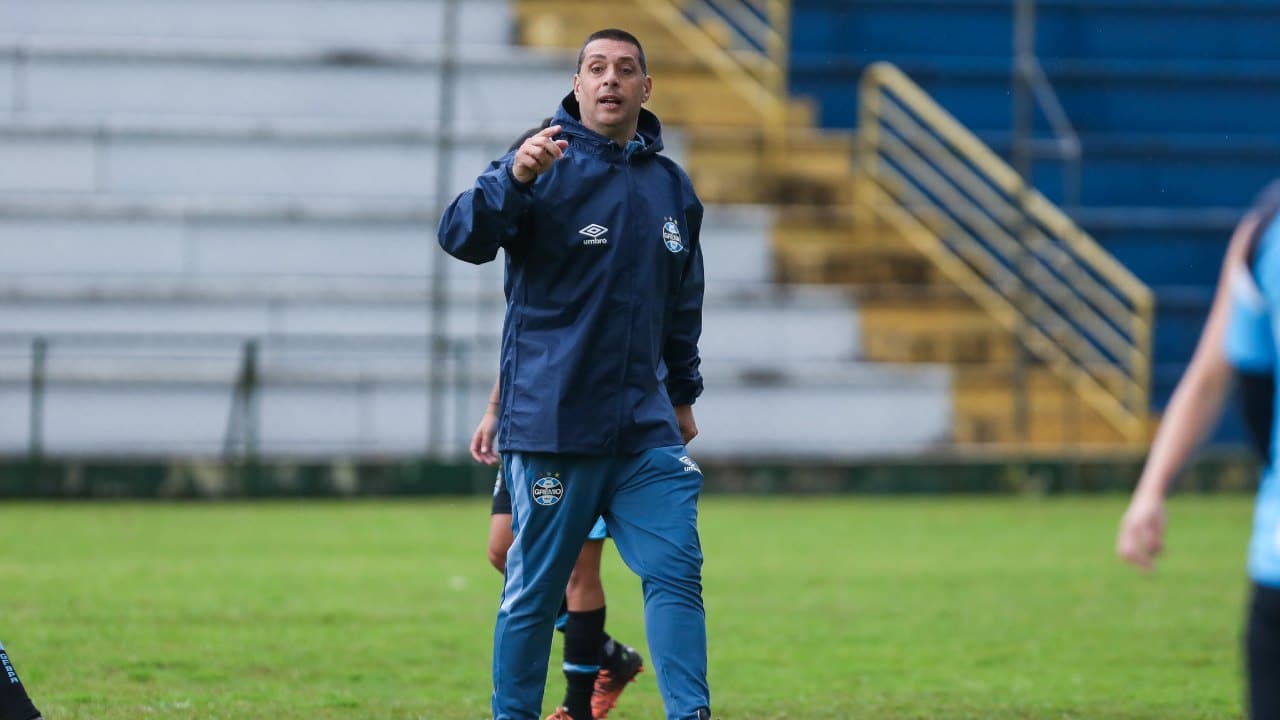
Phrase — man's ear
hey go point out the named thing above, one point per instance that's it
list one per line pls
(648, 87)
(577, 88)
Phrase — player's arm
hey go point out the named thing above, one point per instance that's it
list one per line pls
(680, 351)
(484, 218)
(482, 447)
(489, 215)
(1193, 411)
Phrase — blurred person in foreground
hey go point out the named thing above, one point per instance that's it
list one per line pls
(1237, 345)
(15, 704)
(599, 370)
(596, 667)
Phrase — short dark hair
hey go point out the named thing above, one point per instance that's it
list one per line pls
(613, 34)
(546, 123)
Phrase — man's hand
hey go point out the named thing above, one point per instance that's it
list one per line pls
(482, 440)
(1141, 536)
(684, 418)
(537, 154)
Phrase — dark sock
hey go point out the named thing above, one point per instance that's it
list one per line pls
(14, 703)
(582, 633)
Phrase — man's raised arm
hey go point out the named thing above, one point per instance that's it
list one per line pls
(488, 216)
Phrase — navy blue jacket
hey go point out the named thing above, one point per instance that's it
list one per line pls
(604, 291)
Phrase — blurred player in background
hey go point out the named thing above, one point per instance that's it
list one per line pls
(1237, 343)
(608, 666)
(14, 702)
(600, 370)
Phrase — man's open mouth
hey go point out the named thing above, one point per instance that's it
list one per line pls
(610, 101)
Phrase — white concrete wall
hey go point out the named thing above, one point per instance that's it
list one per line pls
(102, 236)
(365, 22)
(506, 90)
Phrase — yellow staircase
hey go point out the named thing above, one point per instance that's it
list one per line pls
(932, 229)
(1079, 324)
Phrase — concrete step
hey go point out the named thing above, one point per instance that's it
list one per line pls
(499, 88)
(1057, 415)
(810, 246)
(239, 158)
(565, 24)
(176, 400)
(761, 326)
(478, 22)
(374, 418)
(930, 329)
(736, 165)
(228, 236)
(866, 410)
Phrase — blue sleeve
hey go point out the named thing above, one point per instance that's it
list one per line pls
(680, 352)
(486, 217)
(1249, 343)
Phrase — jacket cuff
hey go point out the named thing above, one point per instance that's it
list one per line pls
(685, 393)
(522, 187)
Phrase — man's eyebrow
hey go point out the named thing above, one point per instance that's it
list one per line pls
(602, 56)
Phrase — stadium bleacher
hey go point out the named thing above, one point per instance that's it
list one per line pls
(177, 183)
(478, 22)
(1172, 101)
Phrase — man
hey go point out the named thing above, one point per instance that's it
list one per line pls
(596, 667)
(14, 702)
(1237, 344)
(599, 369)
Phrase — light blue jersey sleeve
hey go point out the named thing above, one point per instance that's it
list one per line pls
(1250, 346)
(1250, 342)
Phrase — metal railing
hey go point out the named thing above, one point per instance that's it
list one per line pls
(1074, 307)
(242, 423)
(745, 42)
(1032, 89)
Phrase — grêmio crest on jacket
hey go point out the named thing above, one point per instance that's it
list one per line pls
(671, 235)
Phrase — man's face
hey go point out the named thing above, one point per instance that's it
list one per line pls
(610, 88)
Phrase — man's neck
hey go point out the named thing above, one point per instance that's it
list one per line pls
(621, 137)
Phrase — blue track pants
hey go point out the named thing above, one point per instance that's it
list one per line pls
(650, 502)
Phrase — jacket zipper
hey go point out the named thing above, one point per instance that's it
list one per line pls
(630, 275)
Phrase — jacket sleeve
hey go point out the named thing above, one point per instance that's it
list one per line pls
(486, 217)
(680, 352)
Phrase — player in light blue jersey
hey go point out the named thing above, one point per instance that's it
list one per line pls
(1238, 344)
(1251, 349)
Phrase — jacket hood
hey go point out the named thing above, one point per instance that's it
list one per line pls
(569, 118)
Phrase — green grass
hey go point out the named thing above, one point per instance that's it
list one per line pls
(822, 608)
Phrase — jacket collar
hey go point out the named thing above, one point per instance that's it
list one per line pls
(569, 118)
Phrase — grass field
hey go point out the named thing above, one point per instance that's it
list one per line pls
(818, 608)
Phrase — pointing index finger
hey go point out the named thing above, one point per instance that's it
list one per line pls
(549, 131)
